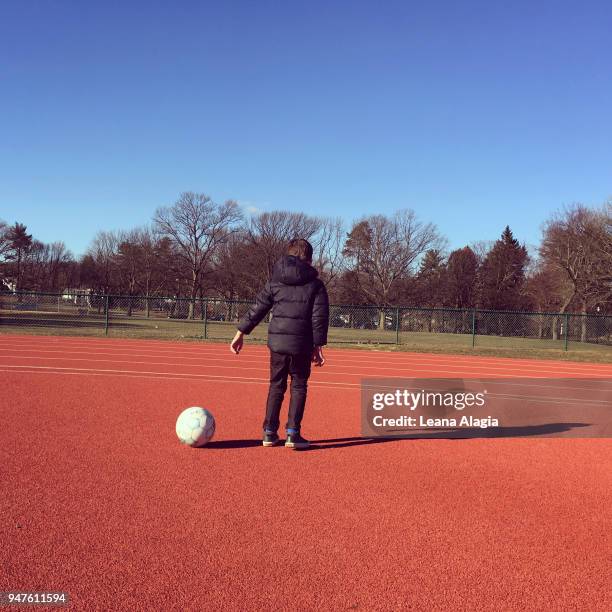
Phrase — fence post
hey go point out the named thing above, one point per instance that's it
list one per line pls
(397, 325)
(205, 318)
(106, 315)
(473, 327)
(566, 331)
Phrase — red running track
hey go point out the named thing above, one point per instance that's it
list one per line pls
(100, 500)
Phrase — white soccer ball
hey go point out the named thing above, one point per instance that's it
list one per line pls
(195, 426)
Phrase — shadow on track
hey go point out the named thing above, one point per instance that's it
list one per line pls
(546, 429)
(223, 444)
(454, 434)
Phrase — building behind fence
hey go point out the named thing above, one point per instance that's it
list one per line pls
(86, 313)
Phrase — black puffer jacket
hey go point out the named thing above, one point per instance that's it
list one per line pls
(300, 308)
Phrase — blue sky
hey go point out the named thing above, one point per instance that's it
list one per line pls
(474, 114)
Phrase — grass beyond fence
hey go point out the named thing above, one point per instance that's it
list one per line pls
(420, 329)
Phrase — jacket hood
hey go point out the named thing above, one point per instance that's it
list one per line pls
(291, 270)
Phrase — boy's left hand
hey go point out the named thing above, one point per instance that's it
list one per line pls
(317, 356)
(237, 342)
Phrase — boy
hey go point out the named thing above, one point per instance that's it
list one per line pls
(296, 335)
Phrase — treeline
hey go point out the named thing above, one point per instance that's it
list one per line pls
(198, 248)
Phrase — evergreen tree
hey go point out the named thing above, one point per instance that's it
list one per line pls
(503, 274)
(431, 279)
(461, 278)
(358, 245)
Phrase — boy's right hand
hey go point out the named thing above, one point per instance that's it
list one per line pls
(317, 356)
(237, 342)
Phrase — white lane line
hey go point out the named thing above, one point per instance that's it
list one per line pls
(395, 373)
(318, 373)
(418, 365)
(172, 375)
(243, 380)
(194, 376)
(204, 356)
(185, 345)
(132, 375)
(391, 359)
(182, 348)
(208, 346)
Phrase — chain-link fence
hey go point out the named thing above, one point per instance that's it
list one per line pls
(85, 313)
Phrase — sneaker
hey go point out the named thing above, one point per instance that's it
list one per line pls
(271, 439)
(294, 440)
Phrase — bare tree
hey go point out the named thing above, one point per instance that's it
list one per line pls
(328, 243)
(270, 232)
(155, 263)
(481, 249)
(576, 242)
(232, 268)
(381, 251)
(128, 264)
(33, 262)
(19, 243)
(545, 288)
(47, 266)
(4, 242)
(59, 259)
(598, 229)
(196, 226)
(103, 253)
(4, 246)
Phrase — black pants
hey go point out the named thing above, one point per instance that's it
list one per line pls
(298, 366)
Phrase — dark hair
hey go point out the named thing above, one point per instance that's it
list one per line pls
(298, 247)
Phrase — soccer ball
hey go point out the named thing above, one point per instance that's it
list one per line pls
(195, 426)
